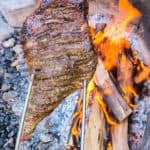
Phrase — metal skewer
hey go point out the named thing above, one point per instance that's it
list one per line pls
(83, 115)
(24, 114)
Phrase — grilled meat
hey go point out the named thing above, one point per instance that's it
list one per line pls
(58, 50)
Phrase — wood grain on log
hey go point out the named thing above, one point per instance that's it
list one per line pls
(119, 135)
(95, 131)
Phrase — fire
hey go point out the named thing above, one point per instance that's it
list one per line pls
(109, 146)
(143, 73)
(110, 49)
(77, 116)
(128, 11)
(103, 106)
(111, 44)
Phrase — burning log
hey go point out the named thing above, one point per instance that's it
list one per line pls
(119, 135)
(111, 42)
(143, 73)
(95, 131)
(125, 78)
(119, 132)
(110, 94)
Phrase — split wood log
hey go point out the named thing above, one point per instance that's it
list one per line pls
(110, 94)
(119, 135)
(125, 77)
(95, 132)
(119, 132)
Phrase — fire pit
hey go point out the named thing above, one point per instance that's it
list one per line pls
(117, 95)
(123, 68)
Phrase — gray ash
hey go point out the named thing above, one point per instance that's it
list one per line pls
(138, 119)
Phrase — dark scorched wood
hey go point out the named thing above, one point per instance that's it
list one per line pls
(58, 51)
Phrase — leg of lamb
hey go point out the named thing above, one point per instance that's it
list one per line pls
(58, 50)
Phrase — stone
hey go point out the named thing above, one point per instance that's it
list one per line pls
(5, 30)
(8, 76)
(11, 134)
(6, 87)
(18, 49)
(1, 142)
(9, 143)
(9, 43)
(1, 72)
(45, 138)
(17, 107)
(16, 11)
(15, 63)
(1, 52)
(9, 96)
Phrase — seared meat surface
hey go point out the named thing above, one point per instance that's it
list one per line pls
(58, 50)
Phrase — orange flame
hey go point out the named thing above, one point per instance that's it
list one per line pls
(128, 11)
(97, 96)
(77, 116)
(143, 73)
(109, 146)
(103, 106)
(112, 42)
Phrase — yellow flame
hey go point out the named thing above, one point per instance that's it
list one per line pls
(109, 146)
